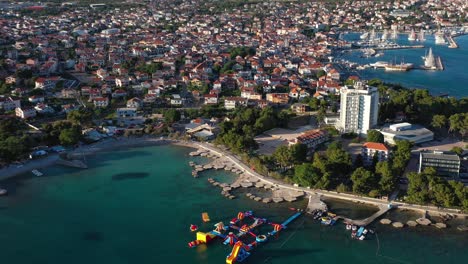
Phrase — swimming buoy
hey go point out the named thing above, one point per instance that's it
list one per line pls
(261, 238)
(193, 228)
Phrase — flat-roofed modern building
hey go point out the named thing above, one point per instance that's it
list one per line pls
(445, 163)
(405, 131)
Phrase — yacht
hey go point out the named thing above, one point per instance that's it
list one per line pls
(412, 35)
(379, 64)
(421, 36)
(364, 35)
(429, 61)
(439, 38)
(384, 35)
(394, 33)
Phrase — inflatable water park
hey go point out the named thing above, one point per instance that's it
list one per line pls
(243, 234)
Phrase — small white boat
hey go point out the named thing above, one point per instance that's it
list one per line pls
(354, 228)
(362, 237)
(348, 227)
(37, 173)
(365, 231)
(3, 192)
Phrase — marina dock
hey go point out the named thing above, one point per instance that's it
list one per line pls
(400, 47)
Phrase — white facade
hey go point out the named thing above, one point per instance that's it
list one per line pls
(359, 109)
(126, 112)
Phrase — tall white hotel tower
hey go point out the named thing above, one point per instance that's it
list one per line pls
(359, 108)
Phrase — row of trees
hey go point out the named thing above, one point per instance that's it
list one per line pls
(334, 170)
(446, 112)
(427, 187)
(14, 142)
(454, 123)
(325, 171)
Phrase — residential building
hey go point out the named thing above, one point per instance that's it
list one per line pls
(299, 108)
(101, 102)
(25, 113)
(311, 139)
(211, 99)
(445, 163)
(126, 112)
(9, 103)
(135, 103)
(278, 98)
(405, 131)
(359, 108)
(234, 102)
(176, 100)
(371, 149)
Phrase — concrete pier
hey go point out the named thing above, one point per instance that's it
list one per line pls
(452, 43)
(316, 203)
(364, 222)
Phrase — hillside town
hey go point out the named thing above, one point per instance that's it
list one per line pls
(256, 77)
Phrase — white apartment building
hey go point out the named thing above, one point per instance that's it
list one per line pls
(359, 108)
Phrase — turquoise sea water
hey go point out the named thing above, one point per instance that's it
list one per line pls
(136, 205)
(452, 80)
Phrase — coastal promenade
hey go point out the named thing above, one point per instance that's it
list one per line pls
(330, 194)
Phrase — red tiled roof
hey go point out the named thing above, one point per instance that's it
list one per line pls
(377, 146)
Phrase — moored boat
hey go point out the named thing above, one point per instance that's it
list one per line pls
(37, 173)
(412, 35)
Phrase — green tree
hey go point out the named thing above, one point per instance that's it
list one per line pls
(298, 153)
(171, 115)
(401, 156)
(339, 161)
(70, 136)
(283, 156)
(387, 181)
(363, 181)
(342, 188)
(439, 121)
(375, 136)
(12, 148)
(457, 150)
(82, 116)
(305, 175)
(418, 188)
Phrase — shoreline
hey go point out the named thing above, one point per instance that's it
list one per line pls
(85, 150)
(146, 141)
